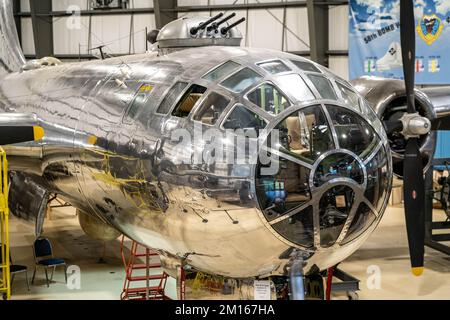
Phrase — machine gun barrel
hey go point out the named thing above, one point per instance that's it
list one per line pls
(217, 24)
(225, 30)
(203, 25)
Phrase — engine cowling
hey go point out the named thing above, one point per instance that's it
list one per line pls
(387, 98)
(95, 228)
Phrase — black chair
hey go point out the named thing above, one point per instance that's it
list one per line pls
(16, 269)
(43, 256)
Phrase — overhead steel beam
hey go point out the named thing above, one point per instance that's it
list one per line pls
(260, 5)
(91, 12)
(42, 27)
(17, 20)
(165, 12)
(318, 31)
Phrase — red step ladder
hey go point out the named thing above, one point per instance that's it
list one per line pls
(139, 283)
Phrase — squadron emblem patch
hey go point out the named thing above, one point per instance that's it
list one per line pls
(430, 28)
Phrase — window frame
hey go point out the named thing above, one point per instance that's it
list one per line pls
(130, 104)
(247, 88)
(217, 67)
(194, 107)
(199, 104)
(288, 99)
(306, 71)
(234, 106)
(258, 64)
(341, 83)
(166, 92)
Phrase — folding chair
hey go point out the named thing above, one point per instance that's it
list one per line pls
(43, 256)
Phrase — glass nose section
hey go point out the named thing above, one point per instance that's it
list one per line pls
(305, 134)
(316, 192)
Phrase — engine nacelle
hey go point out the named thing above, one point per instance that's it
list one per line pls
(387, 98)
(95, 228)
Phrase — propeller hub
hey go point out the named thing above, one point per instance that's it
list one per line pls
(414, 125)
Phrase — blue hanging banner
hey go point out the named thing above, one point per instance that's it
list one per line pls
(374, 44)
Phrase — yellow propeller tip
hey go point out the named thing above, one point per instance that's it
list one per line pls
(38, 133)
(92, 140)
(417, 271)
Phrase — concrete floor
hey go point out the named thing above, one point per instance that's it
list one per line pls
(386, 250)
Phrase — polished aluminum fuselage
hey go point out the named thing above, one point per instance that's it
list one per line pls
(190, 212)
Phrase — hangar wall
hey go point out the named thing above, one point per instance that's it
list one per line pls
(263, 28)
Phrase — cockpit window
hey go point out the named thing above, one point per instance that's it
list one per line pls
(171, 97)
(349, 96)
(295, 86)
(188, 101)
(241, 80)
(323, 85)
(305, 134)
(274, 67)
(305, 66)
(138, 102)
(221, 71)
(353, 132)
(211, 108)
(269, 98)
(243, 118)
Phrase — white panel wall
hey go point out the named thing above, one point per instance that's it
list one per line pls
(63, 5)
(140, 37)
(339, 65)
(141, 3)
(27, 36)
(297, 31)
(68, 34)
(338, 28)
(113, 31)
(338, 38)
(213, 2)
(25, 5)
(263, 29)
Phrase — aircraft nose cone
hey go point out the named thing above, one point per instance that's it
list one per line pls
(329, 177)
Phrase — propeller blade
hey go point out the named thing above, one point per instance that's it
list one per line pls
(414, 185)
(408, 42)
(442, 123)
(414, 200)
(11, 135)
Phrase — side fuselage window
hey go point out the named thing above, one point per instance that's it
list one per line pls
(171, 97)
(138, 103)
(188, 101)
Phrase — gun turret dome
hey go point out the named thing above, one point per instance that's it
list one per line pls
(199, 32)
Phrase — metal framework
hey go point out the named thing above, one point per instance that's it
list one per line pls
(164, 12)
(42, 27)
(167, 10)
(435, 240)
(318, 31)
(5, 279)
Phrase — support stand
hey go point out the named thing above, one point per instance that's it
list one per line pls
(181, 282)
(347, 283)
(435, 240)
(296, 276)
